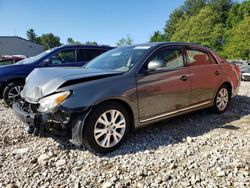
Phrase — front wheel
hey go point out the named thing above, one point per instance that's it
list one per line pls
(106, 127)
(221, 99)
(12, 92)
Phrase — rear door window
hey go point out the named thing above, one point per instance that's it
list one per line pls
(88, 54)
(197, 58)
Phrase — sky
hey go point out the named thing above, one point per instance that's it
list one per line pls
(103, 21)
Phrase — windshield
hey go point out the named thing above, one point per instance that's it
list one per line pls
(119, 59)
(31, 60)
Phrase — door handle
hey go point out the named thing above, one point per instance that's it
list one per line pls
(217, 73)
(184, 78)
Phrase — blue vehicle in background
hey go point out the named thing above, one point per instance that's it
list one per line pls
(12, 77)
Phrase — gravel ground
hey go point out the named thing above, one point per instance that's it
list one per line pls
(196, 150)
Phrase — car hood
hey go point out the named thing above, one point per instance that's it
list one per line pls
(8, 66)
(44, 81)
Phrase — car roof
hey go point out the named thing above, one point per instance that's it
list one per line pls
(86, 46)
(158, 44)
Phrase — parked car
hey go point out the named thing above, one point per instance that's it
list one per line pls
(246, 75)
(124, 89)
(10, 59)
(12, 77)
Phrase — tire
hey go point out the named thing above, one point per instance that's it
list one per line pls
(13, 89)
(96, 129)
(221, 99)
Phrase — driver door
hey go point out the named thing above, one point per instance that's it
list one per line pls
(164, 90)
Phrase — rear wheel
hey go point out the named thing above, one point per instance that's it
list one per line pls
(12, 92)
(221, 99)
(106, 127)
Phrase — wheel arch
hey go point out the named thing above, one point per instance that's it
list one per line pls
(229, 85)
(5, 83)
(19, 79)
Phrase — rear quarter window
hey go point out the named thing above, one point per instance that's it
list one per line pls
(197, 58)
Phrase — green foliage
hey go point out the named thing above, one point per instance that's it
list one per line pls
(93, 43)
(238, 45)
(31, 35)
(237, 13)
(72, 41)
(170, 27)
(46, 40)
(49, 40)
(221, 8)
(158, 37)
(203, 28)
(125, 41)
(192, 7)
(222, 25)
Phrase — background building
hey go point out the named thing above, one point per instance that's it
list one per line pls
(13, 45)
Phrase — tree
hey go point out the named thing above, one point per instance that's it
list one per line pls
(237, 13)
(170, 27)
(93, 43)
(158, 37)
(193, 7)
(218, 24)
(72, 41)
(49, 40)
(31, 35)
(221, 7)
(238, 46)
(125, 41)
(203, 28)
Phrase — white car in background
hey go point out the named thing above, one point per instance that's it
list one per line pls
(245, 76)
(244, 68)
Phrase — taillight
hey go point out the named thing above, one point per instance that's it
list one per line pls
(237, 69)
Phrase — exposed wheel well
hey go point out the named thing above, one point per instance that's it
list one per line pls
(126, 106)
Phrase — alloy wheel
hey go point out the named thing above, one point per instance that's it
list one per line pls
(222, 99)
(110, 128)
(14, 93)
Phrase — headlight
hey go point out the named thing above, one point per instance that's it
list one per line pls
(50, 102)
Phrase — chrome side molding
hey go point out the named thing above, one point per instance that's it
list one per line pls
(176, 111)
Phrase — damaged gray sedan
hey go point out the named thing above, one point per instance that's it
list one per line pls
(124, 89)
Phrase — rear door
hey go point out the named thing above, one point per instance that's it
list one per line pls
(164, 90)
(205, 74)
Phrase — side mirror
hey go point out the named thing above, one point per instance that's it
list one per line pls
(154, 65)
(46, 62)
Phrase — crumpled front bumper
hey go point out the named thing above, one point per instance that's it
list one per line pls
(71, 120)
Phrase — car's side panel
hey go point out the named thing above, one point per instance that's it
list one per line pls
(89, 94)
(204, 80)
(162, 92)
